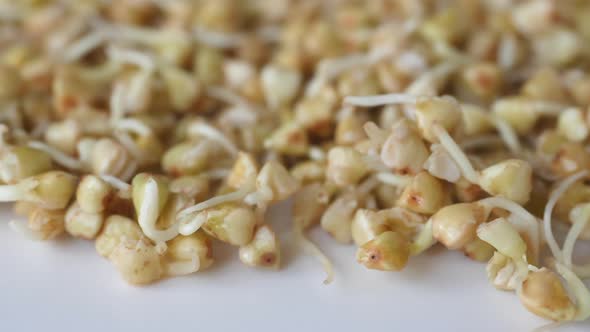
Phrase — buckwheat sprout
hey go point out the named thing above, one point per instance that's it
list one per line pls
(212, 133)
(579, 291)
(521, 219)
(329, 69)
(147, 215)
(83, 46)
(443, 136)
(457, 154)
(563, 186)
(58, 156)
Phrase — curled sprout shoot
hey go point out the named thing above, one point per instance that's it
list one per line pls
(123, 187)
(559, 191)
(58, 156)
(184, 268)
(312, 249)
(579, 291)
(83, 46)
(308, 205)
(580, 218)
(149, 210)
(214, 134)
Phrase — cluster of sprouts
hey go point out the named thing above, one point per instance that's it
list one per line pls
(155, 128)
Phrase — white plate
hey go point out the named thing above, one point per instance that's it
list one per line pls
(66, 286)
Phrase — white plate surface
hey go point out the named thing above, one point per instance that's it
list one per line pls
(66, 286)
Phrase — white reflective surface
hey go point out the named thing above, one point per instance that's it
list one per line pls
(66, 286)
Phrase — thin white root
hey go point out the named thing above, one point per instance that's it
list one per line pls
(116, 182)
(484, 141)
(553, 198)
(117, 102)
(507, 134)
(313, 250)
(457, 154)
(189, 225)
(329, 69)
(58, 156)
(379, 100)
(214, 134)
(231, 197)
(395, 180)
(134, 126)
(83, 46)
(128, 56)
(148, 215)
(123, 187)
(217, 39)
(583, 271)
(578, 290)
(228, 96)
(129, 144)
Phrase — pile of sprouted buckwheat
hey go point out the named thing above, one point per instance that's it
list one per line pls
(155, 127)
